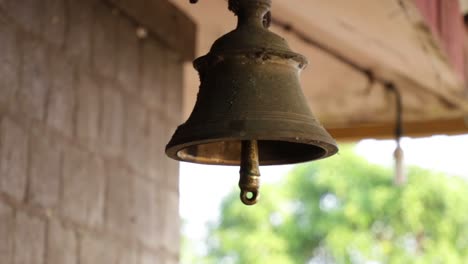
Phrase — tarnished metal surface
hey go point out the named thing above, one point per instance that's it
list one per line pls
(249, 181)
(250, 92)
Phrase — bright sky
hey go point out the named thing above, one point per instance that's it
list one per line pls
(200, 205)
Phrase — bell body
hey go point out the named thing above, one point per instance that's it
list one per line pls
(250, 90)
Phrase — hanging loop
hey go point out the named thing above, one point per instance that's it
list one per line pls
(249, 197)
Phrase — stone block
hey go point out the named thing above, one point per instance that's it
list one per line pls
(97, 250)
(44, 170)
(29, 239)
(136, 137)
(128, 57)
(132, 207)
(96, 204)
(112, 122)
(171, 167)
(120, 216)
(62, 245)
(173, 91)
(27, 13)
(14, 159)
(104, 45)
(34, 78)
(6, 229)
(83, 187)
(78, 33)
(55, 21)
(127, 255)
(156, 144)
(147, 224)
(171, 174)
(153, 74)
(61, 102)
(171, 221)
(171, 260)
(88, 109)
(148, 257)
(9, 63)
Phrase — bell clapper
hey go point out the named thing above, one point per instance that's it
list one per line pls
(249, 181)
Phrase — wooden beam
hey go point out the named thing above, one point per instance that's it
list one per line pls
(387, 57)
(413, 129)
(161, 18)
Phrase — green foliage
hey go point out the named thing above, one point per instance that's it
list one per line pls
(231, 241)
(344, 210)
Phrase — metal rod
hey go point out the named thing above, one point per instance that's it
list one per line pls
(398, 154)
(249, 181)
(399, 110)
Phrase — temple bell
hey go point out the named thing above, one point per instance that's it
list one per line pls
(250, 109)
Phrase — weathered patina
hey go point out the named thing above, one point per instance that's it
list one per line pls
(250, 108)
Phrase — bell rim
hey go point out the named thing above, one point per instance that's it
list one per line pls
(329, 147)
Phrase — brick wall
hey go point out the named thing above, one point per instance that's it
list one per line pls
(85, 111)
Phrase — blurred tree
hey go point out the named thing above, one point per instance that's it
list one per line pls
(344, 210)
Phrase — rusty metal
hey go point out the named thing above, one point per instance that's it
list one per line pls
(250, 108)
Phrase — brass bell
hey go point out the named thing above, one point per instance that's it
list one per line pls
(250, 108)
